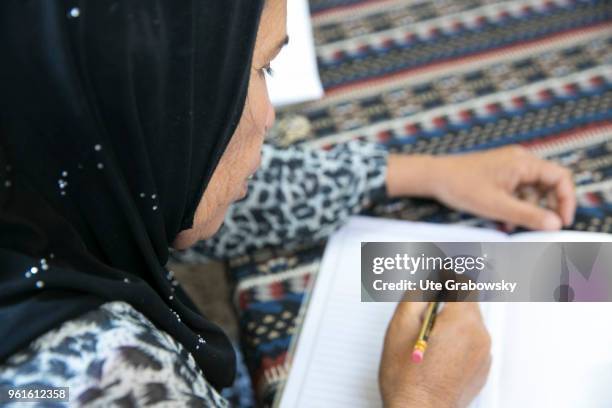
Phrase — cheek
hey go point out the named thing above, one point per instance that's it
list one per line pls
(258, 107)
(245, 146)
(248, 139)
(243, 152)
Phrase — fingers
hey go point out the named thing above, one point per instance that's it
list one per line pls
(558, 179)
(451, 309)
(529, 194)
(406, 322)
(410, 312)
(519, 212)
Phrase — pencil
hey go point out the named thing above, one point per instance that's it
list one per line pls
(421, 344)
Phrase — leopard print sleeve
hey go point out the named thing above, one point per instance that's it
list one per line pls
(299, 195)
(111, 356)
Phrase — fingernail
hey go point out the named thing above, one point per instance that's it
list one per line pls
(551, 222)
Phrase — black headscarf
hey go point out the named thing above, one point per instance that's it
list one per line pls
(114, 115)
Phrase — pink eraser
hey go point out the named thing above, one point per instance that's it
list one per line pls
(417, 356)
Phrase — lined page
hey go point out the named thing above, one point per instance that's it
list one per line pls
(336, 358)
(340, 341)
(338, 352)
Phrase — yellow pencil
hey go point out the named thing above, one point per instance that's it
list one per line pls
(421, 344)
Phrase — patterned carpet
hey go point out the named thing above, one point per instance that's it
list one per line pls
(439, 77)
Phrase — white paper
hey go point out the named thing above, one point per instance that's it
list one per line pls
(555, 355)
(296, 77)
(336, 358)
(561, 236)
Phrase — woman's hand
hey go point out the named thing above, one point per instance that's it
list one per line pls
(456, 362)
(492, 184)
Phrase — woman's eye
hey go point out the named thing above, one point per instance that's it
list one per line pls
(268, 70)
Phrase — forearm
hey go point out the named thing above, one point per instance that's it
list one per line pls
(411, 175)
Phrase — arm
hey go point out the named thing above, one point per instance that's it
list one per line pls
(305, 195)
(299, 195)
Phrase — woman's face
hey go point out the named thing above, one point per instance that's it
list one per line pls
(242, 156)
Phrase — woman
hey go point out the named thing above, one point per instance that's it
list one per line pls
(127, 128)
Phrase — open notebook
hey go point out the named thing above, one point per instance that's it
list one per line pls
(335, 358)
